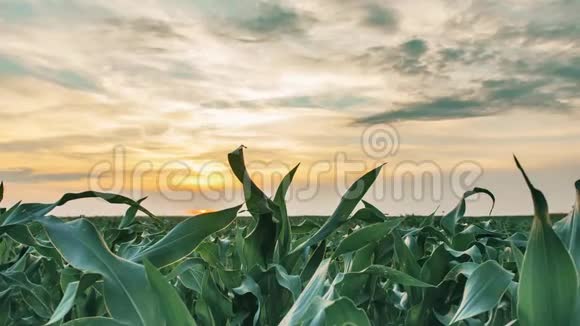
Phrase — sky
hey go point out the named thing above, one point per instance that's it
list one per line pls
(148, 99)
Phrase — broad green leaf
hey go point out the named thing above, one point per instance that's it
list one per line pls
(250, 286)
(433, 271)
(483, 290)
(377, 212)
(172, 307)
(430, 231)
(5, 308)
(304, 227)
(407, 261)
(35, 295)
(95, 321)
(129, 217)
(446, 320)
(449, 221)
(256, 201)
(548, 286)
(260, 244)
(353, 285)
(568, 229)
(276, 285)
(284, 228)
(290, 282)
(369, 214)
(518, 256)
(394, 275)
(6, 213)
(66, 303)
(341, 312)
(365, 235)
(312, 290)
(22, 234)
(209, 252)
(30, 212)
(127, 294)
(462, 241)
(360, 259)
(474, 252)
(313, 262)
(214, 306)
(190, 276)
(465, 269)
(69, 275)
(185, 237)
(412, 242)
(347, 204)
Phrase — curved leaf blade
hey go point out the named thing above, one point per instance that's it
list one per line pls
(312, 291)
(347, 204)
(568, 229)
(66, 303)
(449, 221)
(548, 286)
(365, 235)
(483, 290)
(185, 237)
(126, 291)
(284, 227)
(172, 307)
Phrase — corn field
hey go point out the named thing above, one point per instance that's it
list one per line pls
(359, 267)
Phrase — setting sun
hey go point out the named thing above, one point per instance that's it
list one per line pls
(199, 211)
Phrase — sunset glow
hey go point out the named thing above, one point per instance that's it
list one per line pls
(179, 84)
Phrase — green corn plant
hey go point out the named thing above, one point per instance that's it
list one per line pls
(357, 267)
(544, 300)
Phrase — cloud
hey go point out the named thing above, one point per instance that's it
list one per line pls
(252, 20)
(27, 175)
(436, 109)
(414, 48)
(51, 144)
(464, 55)
(330, 102)
(144, 26)
(15, 10)
(12, 67)
(327, 101)
(554, 22)
(567, 70)
(560, 31)
(405, 58)
(409, 61)
(381, 17)
(517, 93)
(270, 18)
(493, 97)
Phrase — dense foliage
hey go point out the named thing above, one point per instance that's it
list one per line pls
(357, 268)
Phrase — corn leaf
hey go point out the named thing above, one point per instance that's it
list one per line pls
(483, 291)
(185, 237)
(548, 284)
(347, 204)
